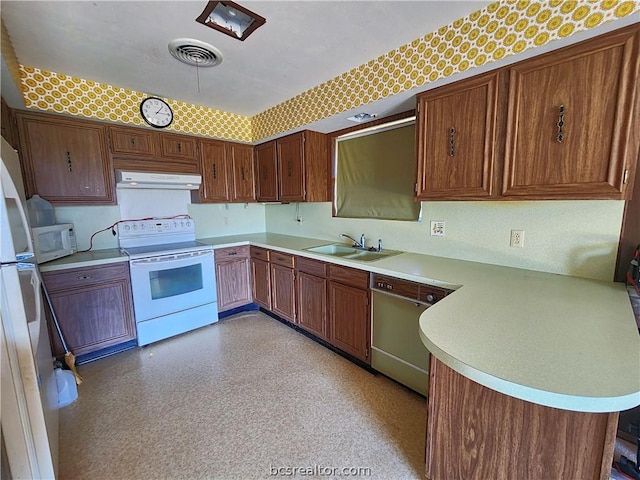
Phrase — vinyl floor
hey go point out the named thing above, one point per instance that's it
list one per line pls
(247, 397)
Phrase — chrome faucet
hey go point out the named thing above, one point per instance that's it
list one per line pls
(379, 244)
(358, 244)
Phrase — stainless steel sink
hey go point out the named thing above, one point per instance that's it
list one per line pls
(352, 253)
(334, 250)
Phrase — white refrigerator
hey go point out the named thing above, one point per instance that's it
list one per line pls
(29, 392)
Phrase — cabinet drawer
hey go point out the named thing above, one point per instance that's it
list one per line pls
(349, 276)
(78, 277)
(314, 267)
(396, 286)
(222, 254)
(283, 259)
(261, 253)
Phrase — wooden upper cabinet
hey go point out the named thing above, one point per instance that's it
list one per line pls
(135, 148)
(291, 167)
(240, 158)
(65, 160)
(132, 141)
(571, 130)
(213, 168)
(178, 147)
(266, 172)
(456, 127)
(8, 126)
(294, 168)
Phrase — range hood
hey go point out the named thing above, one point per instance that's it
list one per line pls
(169, 181)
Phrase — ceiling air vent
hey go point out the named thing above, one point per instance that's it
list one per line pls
(195, 53)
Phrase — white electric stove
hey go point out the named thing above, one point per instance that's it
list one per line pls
(172, 277)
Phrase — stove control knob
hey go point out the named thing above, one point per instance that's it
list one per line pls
(175, 224)
(127, 228)
(188, 223)
(135, 227)
(142, 226)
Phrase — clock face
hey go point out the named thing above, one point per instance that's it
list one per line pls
(156, 112)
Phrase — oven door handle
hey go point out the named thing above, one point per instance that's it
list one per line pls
(175, 257)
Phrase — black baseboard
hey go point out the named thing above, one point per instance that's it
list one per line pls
(244, 308)
(322, 342)
(105, 352)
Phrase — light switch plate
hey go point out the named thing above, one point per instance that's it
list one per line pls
(437, 229)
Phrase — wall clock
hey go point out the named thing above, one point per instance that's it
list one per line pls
(156, 112)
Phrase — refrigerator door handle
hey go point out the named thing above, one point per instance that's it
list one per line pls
(11, 192)
(34, 324)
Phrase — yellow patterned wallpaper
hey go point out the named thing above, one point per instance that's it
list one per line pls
(75, 96)
(9, 55)
(500, 30)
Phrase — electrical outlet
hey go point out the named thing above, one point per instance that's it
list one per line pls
(437, 229)
(517, 238)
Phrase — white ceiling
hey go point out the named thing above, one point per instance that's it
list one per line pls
(303, 43)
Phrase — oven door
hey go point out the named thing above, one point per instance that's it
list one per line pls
(172, 283)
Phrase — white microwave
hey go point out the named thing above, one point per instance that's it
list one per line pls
(54, 241)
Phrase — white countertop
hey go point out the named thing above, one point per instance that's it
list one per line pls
(85, 259)
(555, 340)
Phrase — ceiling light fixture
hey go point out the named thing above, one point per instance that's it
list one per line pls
(231, 19)
(362, 117)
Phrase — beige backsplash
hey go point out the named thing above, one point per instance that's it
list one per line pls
(577, 238)
(567, 237)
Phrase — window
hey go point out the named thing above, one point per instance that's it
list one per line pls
(375, 173)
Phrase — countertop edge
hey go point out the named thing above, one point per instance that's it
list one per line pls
(576, 403)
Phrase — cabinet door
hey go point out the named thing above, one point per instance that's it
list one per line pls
(92, 315)
(312, 303)
(178, 147)
(261, 276)
(291, 168)
(132, 141)
(214, 170)
(266, 172)
(456, 139)
(241, 164)
(350, 320)
(571, 130)
(283, 296)
(66, 160)
(232, 280)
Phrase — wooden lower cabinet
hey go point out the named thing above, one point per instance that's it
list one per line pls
(261, 277)
(312, 303)
(283, 294)
(233, 282)
(474, 432)
(93, 306)
(350, 312)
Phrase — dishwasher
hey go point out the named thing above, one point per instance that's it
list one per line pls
(396, 348)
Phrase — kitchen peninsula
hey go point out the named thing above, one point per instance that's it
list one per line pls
(553, 343)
